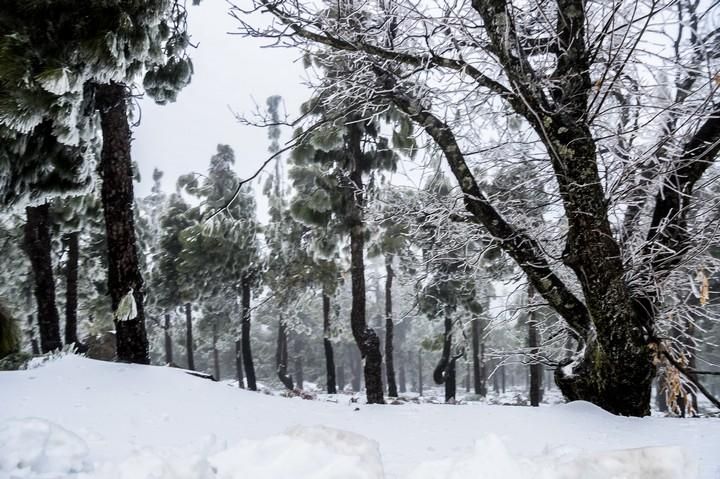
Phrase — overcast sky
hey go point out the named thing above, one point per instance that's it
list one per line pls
(231, 73)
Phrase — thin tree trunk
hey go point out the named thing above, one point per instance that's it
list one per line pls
(38, 248)
(246, 351)
(298, 362)
(72, 242)
(366, 339)
(281, 356)
(239, 363)
(467, 377)
(189, 344)
(450, 381)
(168, 341)
(31, 334)
(534, 344)
(216, 354)
(420, 373)
(478, 382)
(341, 382)
(117, 198)
(329, 356)
(502, 377)
(389, 329)
(483, 371)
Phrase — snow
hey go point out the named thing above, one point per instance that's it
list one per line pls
(74, 417)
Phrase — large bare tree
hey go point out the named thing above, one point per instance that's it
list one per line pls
(616, 102)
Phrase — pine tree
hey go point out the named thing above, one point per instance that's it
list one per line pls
(222, 251)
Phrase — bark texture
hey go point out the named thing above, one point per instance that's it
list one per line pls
(72, 242)
(168, 341)
(327, 344)
(245, 333)
(189, 343)
(117, 198)
(281, 356)
(389, 329)
(37, 245)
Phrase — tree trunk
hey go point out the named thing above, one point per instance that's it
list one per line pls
(445, 371)
(450, 381)
(31, 335)
(168, 341)
(478, 380)
(329, 357)
(298, 362)
(420, 373)
(216, 354)
(38, 248)
(341, 372)
(534, 344)
(189, 345)
(366, 339)
(246, 351)
(239, 363)
(355, 369)
(502, 377)
(402, 378)
(281, 356)
(117, 198)
(72, 242)
(389, 329)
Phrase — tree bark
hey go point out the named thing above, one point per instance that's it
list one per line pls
(534, 344)
(420, 372)
(239, 363)
(298, 362)
(478, 380)
(366, 339)
(389, 329)
(327, 344)
(341, 372)
(31, 334)
(72, 242)
(216, 354)
(245, 329)
(38, 248)
(117, 198)
(168, 341)
(189, 344)
(281, 356)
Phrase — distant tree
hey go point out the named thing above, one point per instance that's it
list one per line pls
(222, 252)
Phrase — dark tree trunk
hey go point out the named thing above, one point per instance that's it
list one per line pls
(31, 334)
(117, 198)
(72, 241)
(445, 371)
(168, 341)
(366, 339)
(246, 351)
(281, 356)
(483, 371)
(467, 377)
(189, 343)
(534, 344)
(355, 369)
(389, 329)
(298, 362)
(239, 363)
(450, 381)
(496, 377)
(216, 354)
(38, 248)
(478, 379)
(502, 377)
(329, 357)
(420, 372)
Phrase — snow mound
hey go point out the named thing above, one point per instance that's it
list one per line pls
(491, 459)
(303, 453)
(38, 449)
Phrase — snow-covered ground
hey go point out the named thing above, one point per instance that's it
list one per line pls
(79, 418)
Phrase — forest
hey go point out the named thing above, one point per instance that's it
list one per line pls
(478, 203)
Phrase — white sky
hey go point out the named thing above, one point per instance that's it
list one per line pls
(231, 73)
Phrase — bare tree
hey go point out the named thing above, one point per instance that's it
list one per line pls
(590, 93)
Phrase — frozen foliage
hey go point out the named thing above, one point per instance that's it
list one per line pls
(141, 422)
